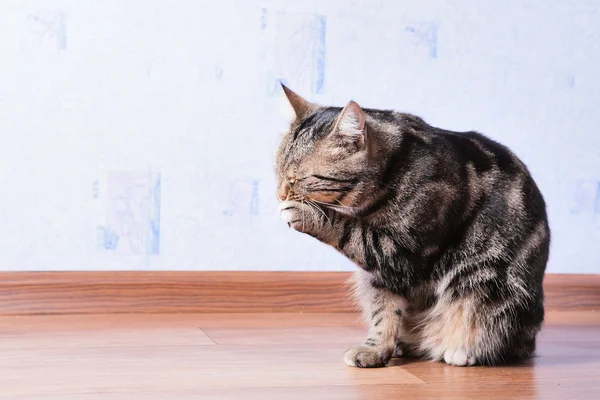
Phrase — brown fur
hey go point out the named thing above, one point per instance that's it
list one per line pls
(448, 229)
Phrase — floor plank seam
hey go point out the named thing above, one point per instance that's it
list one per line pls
(207, 335)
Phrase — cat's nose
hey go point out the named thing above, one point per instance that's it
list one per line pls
(282, 193)
(285, 188)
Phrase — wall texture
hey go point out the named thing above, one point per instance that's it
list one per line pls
(139, 134)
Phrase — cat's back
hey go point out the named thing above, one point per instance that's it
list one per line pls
(500, 194)
(483, 153)
(495, 164)
(482, 171)
(450, 147)
(491, 179)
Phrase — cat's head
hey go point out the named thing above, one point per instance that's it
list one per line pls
(324, 157)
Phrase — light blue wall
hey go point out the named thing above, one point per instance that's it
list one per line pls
(139, 134)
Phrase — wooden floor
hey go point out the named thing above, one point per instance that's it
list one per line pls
(267, 356)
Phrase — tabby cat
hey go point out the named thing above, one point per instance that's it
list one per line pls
(449, 230)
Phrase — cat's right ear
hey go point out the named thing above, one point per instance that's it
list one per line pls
(300, 106)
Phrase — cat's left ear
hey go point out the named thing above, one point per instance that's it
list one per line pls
(351, 126)
(301, 107)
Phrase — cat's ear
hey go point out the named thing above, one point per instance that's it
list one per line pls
(351, 126)
(301, 106)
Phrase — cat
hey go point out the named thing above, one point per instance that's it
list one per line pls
(448, 229)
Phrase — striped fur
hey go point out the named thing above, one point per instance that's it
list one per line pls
(449, 230)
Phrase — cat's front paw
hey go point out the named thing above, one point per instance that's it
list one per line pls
(290, 212)
(364, 356)
(297, 215)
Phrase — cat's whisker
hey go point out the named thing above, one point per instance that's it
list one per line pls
(302, 217)
(336, 206)
(339, 204)
(317, 208)
(341, 208)
(322, 202)
(344, 206)
(325, 203)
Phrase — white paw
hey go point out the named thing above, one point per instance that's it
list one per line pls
(350, 358)
(288, 211)
(458, 357)
(367, 357)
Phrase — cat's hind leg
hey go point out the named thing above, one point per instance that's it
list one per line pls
(469, 331)
(445, 332)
